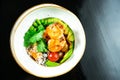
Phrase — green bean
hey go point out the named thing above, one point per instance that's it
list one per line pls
(51, 64)
(31, 28)
(40, 27)
(38, 22)
(35, 24)
(48, 21)
(67, 55)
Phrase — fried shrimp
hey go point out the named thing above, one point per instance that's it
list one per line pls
(54, 31)
(56, 40)
(55, 45)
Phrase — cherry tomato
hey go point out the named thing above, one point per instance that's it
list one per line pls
(53, 56)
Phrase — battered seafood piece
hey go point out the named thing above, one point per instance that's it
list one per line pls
(57, 39)
(55, 45)
(54, 31)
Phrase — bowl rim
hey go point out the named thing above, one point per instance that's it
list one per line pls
(19, 19)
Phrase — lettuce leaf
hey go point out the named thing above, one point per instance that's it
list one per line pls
(42, 46)
(34, 33)
(36, 37)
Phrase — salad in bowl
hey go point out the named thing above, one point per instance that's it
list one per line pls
(47, 40)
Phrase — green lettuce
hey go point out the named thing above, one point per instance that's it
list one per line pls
(42, 46)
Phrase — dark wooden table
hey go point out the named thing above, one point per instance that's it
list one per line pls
(101, 22)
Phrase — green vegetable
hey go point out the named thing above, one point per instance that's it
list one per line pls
(70, 36)
(48, 21)
(35, 24)
(38, 22)
(67, 55)
(33, 32)
(40, 28)
(71, 45)
(36, 37)
(51, 64)
(28, 35)
(42, 46)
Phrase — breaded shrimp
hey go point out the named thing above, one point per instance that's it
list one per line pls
(54, 31)
(55, 37)
(55, 45)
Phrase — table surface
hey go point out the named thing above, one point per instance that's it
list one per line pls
(100, 20)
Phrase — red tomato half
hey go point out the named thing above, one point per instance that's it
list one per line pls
(53, 56)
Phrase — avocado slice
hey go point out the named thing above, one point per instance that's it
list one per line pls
(70, 36)
(68, 31)
(71, 44)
